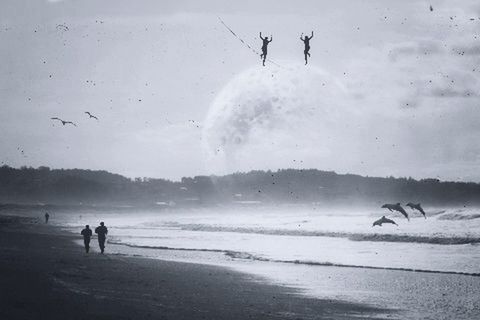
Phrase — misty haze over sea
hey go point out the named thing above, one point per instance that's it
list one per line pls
(282, 226)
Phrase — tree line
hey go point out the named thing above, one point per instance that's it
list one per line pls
(78, 186)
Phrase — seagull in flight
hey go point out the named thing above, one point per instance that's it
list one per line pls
(63, 121)
(62, 27)
(91, 115)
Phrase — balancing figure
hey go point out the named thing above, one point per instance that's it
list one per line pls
(306, 41)
(264, 47)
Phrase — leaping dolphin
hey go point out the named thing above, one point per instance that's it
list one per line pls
(382, 220)
(396, 207)
(417, 207)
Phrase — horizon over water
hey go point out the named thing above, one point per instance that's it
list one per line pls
(314, 250)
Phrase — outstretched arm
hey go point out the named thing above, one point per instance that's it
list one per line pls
(311, 35)
(271, 38)
(261, 36)
(301, 37)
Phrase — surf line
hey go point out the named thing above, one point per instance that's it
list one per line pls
(246, 44)
(248, 256)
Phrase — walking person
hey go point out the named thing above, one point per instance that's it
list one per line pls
(87, 234)
(101, 231)
(47, 216)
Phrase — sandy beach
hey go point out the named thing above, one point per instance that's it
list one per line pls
(45, 275)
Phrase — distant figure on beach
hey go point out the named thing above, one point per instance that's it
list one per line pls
(47, 216)
(396, 207)
(306, 41)
(87, 234)
(382, 220)
(418, 207)
(265, 47)
(102, 231)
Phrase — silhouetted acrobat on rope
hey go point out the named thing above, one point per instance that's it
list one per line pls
(306, 41)
(264, 47)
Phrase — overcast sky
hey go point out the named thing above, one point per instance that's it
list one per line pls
(151, 71)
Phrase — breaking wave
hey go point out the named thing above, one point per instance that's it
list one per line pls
(459, 216)
(249, 256)
(441, 240)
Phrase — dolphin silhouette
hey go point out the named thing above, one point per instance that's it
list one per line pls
(382, 220)
(417, 206)
(396, 207)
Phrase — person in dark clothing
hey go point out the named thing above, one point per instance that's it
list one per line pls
(101, 231)
(264, 47)
(87, 234)
(306, 41)
(47, 216)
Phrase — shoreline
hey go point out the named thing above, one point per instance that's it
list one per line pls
(49, 276)
(232, 254)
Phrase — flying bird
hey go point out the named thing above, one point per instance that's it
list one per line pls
(62, 27)
(396, 207)
(382, 220)
(417, 206)
(63, 121)
(194, 123)
(91, 115)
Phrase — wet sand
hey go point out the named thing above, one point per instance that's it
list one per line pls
(45, 275)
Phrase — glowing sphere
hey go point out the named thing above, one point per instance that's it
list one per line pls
(276, 117)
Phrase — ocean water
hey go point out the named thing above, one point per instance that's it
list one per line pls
(324, 252)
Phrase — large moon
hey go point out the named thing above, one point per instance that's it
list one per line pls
(297, 116)
(280, 117)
